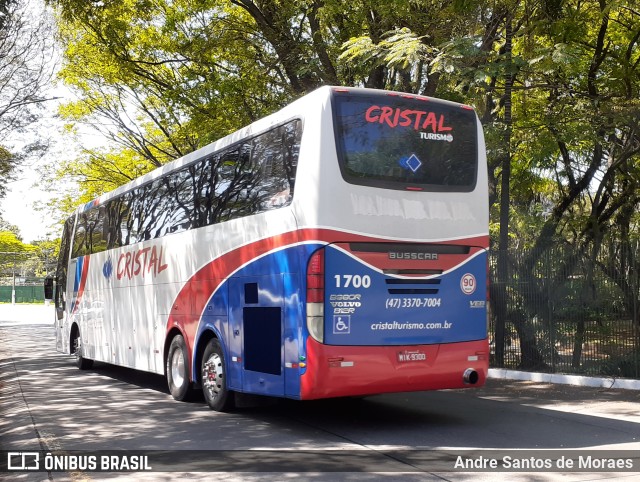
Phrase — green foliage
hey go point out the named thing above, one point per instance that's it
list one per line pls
(7, 166)
(97, 171)
(23, 259)
(163, 78)
(160, 79)
(399, 48)
(559, 103)
(6, 226)
(9, 242)
(13, 252)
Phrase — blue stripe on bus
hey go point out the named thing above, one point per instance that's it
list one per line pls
(274, 291)
(376, 319)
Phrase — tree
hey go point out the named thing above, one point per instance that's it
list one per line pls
(25, 71)
(178, 77)
(577, 96)
(161, 79)
(571, 71)
(6, 226)
(12, 251)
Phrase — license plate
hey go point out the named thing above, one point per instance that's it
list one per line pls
(411, 356)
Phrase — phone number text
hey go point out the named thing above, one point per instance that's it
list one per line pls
(395, 303)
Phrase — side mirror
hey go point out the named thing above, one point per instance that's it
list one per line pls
(48, 288)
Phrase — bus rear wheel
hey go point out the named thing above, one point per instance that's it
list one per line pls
(81, 362)
(214, 378)
(177, 370)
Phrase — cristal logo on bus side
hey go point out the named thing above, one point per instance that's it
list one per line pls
(141, 263)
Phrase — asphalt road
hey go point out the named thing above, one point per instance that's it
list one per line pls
(47, 404)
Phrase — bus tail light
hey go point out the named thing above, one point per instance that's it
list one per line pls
(315, 295)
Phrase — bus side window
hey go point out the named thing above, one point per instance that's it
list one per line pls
(79, 238)
(228, 189)
(98, 238)
(88, 238)
(114, 226)
(251, 177)
(204, 187)
(136, 214)
(291, 146)
(61, 268)
(181, 195)
(276, 159)
(152, 205)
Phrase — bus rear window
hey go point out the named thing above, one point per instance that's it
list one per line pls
(398, 142)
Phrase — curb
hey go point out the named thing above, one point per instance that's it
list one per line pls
(582, 381)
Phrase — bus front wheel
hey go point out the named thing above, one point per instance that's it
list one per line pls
(214, 378)
(177, 369)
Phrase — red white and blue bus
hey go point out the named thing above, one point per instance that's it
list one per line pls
(335, 248)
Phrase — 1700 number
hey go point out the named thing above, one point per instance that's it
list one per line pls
(352, 281)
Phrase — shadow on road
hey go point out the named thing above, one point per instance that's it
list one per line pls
(115, 408)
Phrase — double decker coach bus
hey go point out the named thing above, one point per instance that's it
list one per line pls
(335, 248)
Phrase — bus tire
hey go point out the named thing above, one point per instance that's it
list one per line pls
(214, 378)
(177, 370)
(81, 362)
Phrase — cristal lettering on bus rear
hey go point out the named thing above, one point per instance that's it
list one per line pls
(143, 262)
(418, 119)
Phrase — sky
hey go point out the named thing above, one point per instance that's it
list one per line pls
(17, 208)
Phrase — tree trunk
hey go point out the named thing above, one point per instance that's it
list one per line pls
(503, 241)
(577, 345)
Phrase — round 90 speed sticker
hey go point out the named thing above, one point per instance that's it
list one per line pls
(468, 283)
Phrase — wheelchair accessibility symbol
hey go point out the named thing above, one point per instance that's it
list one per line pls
(341, 324)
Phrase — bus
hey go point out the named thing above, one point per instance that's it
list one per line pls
(335, 248)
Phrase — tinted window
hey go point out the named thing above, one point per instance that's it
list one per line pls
(274, 161)
(63, 259)
(88, 236)
(397, 142)
(118, 223)
(250, 177)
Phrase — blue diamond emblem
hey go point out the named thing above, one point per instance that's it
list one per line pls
(412, 163)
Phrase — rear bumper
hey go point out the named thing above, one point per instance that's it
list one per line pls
(341, 371)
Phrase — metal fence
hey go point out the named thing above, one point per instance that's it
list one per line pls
(567, 312)
(21, 290)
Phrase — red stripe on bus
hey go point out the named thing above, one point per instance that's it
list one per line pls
(197, 291)
(83, 282)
